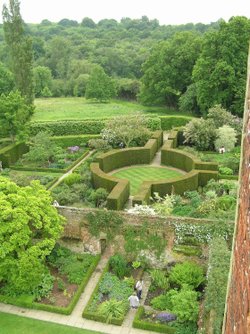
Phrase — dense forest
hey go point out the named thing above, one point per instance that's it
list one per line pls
(191, 67)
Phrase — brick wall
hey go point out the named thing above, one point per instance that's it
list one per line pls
(238, 298)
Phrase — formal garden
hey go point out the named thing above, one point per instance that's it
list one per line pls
(120, 154)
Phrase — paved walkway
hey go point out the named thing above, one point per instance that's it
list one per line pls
(71, 170)
(75, 319)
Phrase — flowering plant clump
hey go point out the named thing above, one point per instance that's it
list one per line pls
(165, 317)
(142, 210)
(73, 149)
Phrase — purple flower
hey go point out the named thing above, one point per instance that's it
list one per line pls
(73, 149)
(165, 317)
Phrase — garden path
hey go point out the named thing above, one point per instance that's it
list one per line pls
(75, 319)
(71, 170)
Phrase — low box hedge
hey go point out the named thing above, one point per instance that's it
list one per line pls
(28, 301)
(77, 140)
(150, 326)
(228, 177)
(93, 315)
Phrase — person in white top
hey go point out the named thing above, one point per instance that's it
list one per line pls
(134, 301)
(138, 287)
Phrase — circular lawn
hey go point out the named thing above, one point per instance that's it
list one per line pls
(136, 175)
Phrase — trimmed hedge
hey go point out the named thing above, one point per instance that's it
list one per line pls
(158, 135)
(118, 189)
(149, 326)
(77, 127)
(68, 127)
(10, 154)
(178, 159)
(93, 315)
(228, 177)
(128, 156)
(144, 194)
(66, 141)
(168, 122)
(174, 137)
(27, 301)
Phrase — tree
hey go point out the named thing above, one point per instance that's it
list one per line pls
(29, 228)
(99, 86)
(201, 133)
(20, 49)
(42, 149)
(6, 80)
(125, 129)
(168, 70)
(220, 71)
(42, 80)
(14, 114)
(226, 136)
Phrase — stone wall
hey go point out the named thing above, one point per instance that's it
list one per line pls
(238, 298)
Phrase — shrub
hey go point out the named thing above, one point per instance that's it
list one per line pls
(113, 309)
(99, 144)
(226, 136)
(71, 179)
(187, 273)
(165, 317)
(185, 305)
(98, 197)
(162, 302)
(119, 265)
(225, 171)
(159, 279)
(45, 287)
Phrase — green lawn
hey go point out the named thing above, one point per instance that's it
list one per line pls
(136, 175)
(51, 109)
(13, 324)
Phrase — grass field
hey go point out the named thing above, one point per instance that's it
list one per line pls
(51, 109)
(136, 175)
(13, 324)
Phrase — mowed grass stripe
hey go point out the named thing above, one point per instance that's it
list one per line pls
(136, 175)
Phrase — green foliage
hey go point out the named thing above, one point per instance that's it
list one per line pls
(112, 309)
(42, 81)
(159, 279)
(226, 136)
(136, 264)
(45, 286)
(187, 274)
(226, 171)
(20, 49)
(162, 302)
(6, 80)
(118, 265)
(126, 129)
(200, 133)
(167, 71)
(30, 228)
(42, 149)
(185, 305)
(115, 288)
(217, 277)
(216, 74)
(98, 197)
(14, 115)
(137, 240)
(106, 222)
(72, 179)
(99, 86)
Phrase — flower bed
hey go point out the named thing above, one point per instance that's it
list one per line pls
(62, 286)
(111, 292)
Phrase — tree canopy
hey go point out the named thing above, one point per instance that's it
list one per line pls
(29, 228)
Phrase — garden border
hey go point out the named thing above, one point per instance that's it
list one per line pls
(50, 308)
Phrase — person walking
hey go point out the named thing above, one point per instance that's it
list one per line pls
(138, 287)
(134, 301)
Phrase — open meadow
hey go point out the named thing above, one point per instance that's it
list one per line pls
(78, 108)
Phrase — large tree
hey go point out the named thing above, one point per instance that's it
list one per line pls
(220, 72)
(20, 49)
(99, 86)
(29, 228)
(168, 70)
(14, 114)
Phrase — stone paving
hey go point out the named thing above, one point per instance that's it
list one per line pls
(75, 319)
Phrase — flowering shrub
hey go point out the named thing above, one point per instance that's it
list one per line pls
(142, 210)
(165, 317)
(73, 149)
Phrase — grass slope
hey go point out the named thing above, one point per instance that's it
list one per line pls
(136, 175)
(51, 109)
(13, 324)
